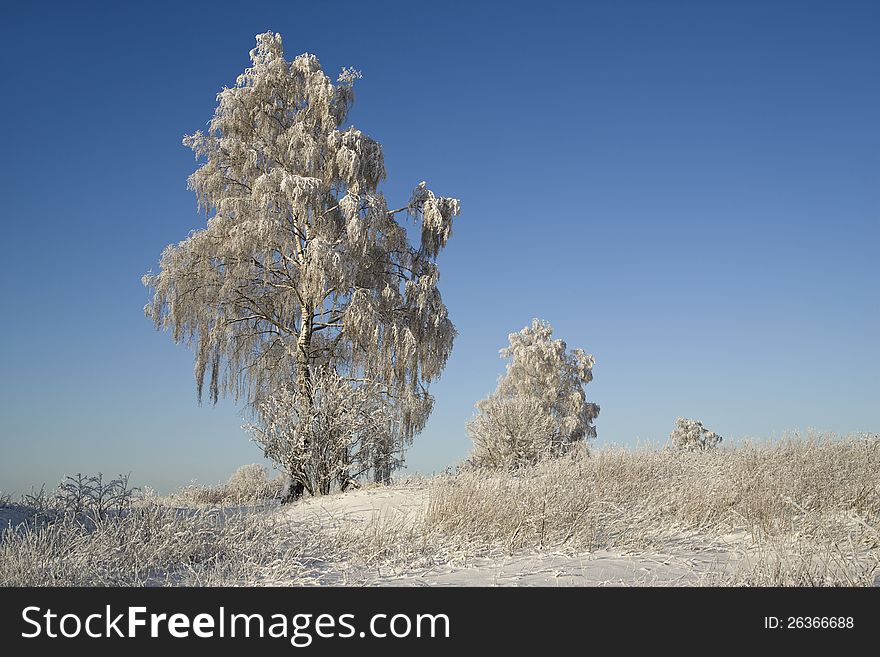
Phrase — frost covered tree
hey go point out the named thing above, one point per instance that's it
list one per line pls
(691, 435)
(539, 408)
(303, 273)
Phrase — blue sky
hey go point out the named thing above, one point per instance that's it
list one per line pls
(686, 190)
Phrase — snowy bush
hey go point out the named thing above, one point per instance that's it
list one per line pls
(251, 483)
(691, 435)
(509, 432)
(92, 495)
(539, 408)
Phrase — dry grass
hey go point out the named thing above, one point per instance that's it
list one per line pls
(159, 542)
(248, 486)
(811, 506)
(157, 545)
(806, 511)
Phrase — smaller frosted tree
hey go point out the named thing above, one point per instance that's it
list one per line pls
(691, 435)
(539, 408)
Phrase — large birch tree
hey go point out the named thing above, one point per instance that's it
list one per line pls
(303, 273)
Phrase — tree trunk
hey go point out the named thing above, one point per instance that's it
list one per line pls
(382, 466)
(303, 382)
(383, 474)
(294, 492)
(303, 348)
(342, 476)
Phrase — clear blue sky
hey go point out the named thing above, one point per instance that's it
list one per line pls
(687, 190)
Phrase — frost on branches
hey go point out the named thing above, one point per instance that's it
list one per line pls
(303, 277)
(330, 438)
(691, 435)
(539, 408)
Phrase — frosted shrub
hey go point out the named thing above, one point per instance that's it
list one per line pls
(539, 408)
(92, 495)
(509, 431)
(251, 483)
(691, 435)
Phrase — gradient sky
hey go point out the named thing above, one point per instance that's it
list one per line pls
(686, 190)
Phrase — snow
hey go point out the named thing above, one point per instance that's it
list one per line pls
(677, 566)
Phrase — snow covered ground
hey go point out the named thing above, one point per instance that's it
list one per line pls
(677, 565)
(393, 546)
